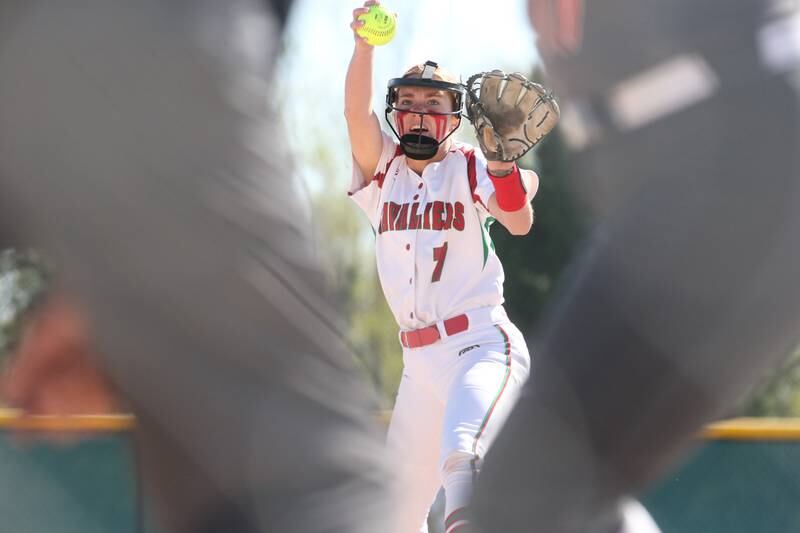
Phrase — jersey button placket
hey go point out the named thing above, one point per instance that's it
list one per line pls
(413, 236)
(411, 262)
(416, 198)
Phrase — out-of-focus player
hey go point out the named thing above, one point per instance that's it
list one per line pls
(136, 152)
(684, 122)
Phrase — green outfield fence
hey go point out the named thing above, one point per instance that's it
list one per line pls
(83, 480)
(744, 477)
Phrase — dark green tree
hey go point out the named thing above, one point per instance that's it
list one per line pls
(24, 279)
(777, 393)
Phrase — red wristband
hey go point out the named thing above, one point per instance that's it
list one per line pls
(509, 190)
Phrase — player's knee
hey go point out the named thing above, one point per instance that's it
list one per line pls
(459, 463)
(459, 471)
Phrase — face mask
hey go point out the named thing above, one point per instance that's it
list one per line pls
(419, 144)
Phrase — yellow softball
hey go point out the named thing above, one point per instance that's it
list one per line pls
(379, 25)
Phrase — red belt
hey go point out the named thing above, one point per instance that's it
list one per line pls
(416, 338)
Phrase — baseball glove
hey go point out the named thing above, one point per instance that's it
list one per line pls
(510, 113)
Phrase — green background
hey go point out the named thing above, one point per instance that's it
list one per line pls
(88, 486)
(732, 487)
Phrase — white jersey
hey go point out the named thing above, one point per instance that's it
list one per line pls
(434, 254)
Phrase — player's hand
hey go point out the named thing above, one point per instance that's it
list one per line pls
(361, 42)
(52, 371)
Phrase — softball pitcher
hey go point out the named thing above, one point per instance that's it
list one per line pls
(430, 201)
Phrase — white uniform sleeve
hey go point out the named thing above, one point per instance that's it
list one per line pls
(366, 191)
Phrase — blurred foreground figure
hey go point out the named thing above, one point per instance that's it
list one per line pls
(137, 152)
(683, 119)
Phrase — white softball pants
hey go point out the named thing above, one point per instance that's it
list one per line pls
(453, 398)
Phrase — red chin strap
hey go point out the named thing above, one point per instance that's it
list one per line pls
(440, 121)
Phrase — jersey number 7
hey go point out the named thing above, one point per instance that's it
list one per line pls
(439, 255)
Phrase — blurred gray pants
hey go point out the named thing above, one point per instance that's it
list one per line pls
(686, 134)
(136, 149)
